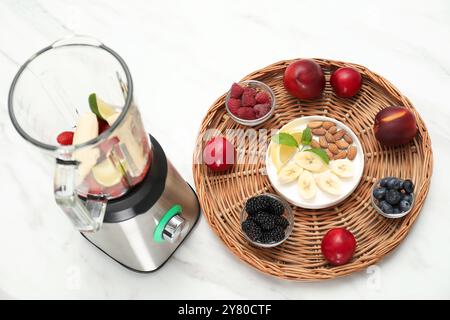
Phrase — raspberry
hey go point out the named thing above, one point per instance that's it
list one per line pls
(236, 91)
(233, 105)
(248, 97)
(65, 138)
(261, 109)
(246, 113)
(262, 97)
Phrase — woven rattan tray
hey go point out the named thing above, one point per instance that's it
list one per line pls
(222, 195)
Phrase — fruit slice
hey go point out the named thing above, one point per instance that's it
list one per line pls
(280, 154)
(309, 161)
(289, 173)
(297, 136)
(87, 128)
(306, 185)
(342, 167)
(102, 109)
(106, 174)
(329, 182)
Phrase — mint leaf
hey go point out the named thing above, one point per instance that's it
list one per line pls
(285, 139)
(321, 153)
(306, 137)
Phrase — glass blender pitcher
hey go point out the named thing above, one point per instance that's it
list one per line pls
(74, 100)
(81, 87)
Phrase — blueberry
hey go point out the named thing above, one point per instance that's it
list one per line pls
(386, 207)
(395, 183)
(379, 193)
(384, 181)
(407, 197)
(396, 210)
(393, 196)
(404, 205)
(408, 186)
(391, 183)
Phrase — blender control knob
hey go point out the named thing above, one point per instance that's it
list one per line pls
(173, 228)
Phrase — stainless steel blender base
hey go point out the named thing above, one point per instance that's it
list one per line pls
(162, 264)
(142, 236)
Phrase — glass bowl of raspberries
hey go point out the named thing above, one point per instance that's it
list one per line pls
(393, 197)
(266, 220)
(250, 102)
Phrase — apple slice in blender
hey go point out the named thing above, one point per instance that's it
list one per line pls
(106, 173)
(86, 129)
(101, 109)
(135, 157)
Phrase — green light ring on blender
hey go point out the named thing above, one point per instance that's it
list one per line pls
(158, 234)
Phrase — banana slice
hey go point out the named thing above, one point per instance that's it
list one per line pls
(306, 185)
(329, 182)
(342, 167)
(309, 161)
(289, 172)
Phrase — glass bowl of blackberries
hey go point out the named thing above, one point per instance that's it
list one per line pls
(266, 220)
(393, 197)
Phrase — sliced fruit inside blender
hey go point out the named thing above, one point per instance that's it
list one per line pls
(101, 109)
(106, 173)
(87, 129)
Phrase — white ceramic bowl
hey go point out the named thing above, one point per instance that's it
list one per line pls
(321, 199)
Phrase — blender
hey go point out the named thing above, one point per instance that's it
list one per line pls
(112, 180)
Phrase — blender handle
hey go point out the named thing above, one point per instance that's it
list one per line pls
(86, 216)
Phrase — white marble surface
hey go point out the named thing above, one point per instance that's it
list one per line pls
(198, 48)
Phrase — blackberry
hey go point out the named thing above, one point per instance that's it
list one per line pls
(281, 221)
(266, 221)
(252, 230)
(274, 235)
(277, 208)
(264, 204)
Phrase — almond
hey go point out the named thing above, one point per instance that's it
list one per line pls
(323, 142)
(332, 130)
(340, 155)
(319, 131)
(329, 137)
(342, 144)
(339, 134)
(348, 138)
(351, 152)
(315, 124)
(329, 154)
(327, 125)
(333, 148)
(315, 144)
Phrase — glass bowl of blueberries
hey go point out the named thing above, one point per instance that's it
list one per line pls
(393, 197)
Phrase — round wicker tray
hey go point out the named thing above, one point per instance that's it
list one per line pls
(222, 195)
